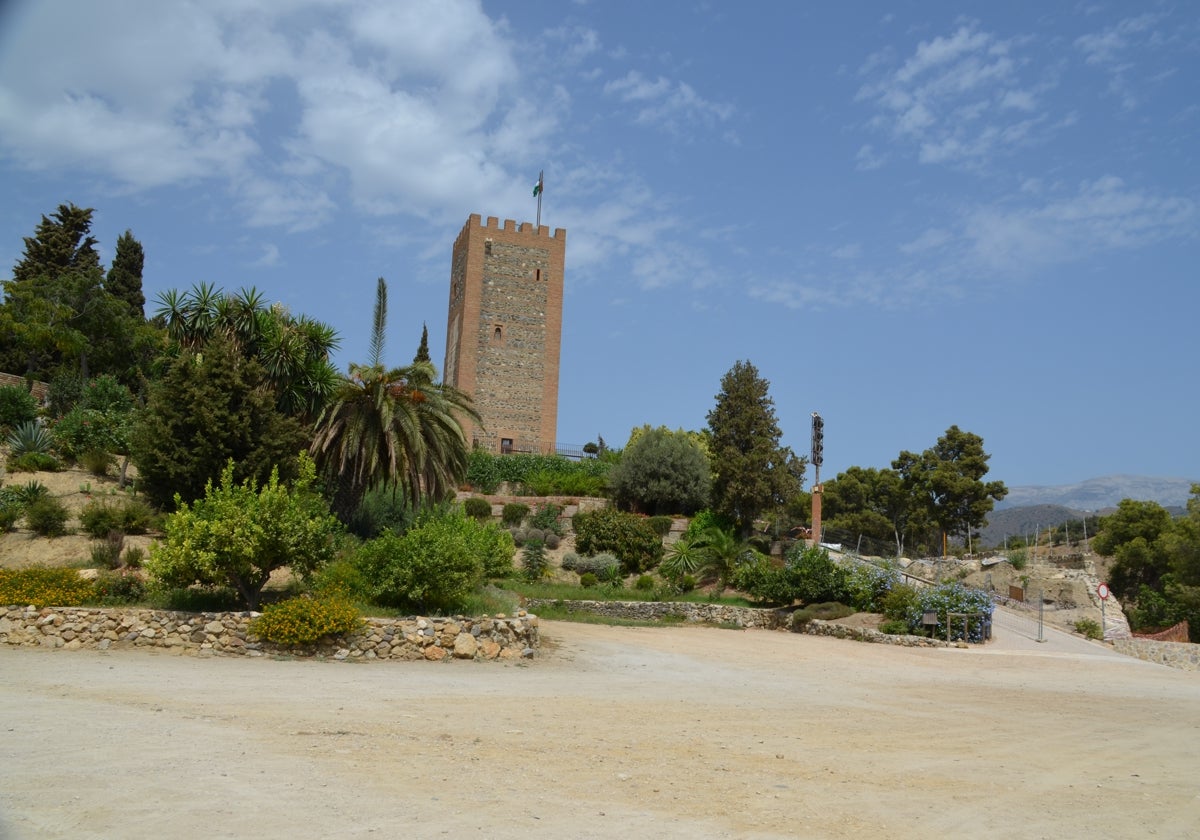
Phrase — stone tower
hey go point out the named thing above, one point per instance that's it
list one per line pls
(504, 330)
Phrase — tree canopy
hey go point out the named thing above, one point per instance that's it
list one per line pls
(752, 471)
(662, 472)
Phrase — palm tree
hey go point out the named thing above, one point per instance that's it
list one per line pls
(294, 352)
(392, 428)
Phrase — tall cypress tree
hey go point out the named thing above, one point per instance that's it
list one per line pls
(752, 472)
(125, 277)
(423, 350)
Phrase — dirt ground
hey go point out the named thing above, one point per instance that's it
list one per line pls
(608, 733)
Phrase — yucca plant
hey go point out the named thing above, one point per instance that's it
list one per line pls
(29, 438)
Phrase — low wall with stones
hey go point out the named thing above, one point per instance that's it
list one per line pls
(817, 627)
(1180, 655)
(207, 634)
(657, 610)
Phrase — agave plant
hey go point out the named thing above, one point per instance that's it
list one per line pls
(30, 438)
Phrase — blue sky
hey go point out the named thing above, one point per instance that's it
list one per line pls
(906, 215)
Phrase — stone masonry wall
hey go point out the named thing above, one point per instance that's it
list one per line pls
(434, 639)
(1185, 657)
(656, 610)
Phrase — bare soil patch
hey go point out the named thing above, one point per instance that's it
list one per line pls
(610, 733)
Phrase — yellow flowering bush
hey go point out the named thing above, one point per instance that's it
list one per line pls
(304, 621)
(44, 587)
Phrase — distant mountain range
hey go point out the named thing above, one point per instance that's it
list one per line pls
(1096, 494)
(1027, 510)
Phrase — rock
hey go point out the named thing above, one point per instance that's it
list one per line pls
(465, 646)
(434, 653)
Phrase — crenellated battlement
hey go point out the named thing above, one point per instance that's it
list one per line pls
(508, 226)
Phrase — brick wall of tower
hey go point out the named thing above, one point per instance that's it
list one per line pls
(504, 329)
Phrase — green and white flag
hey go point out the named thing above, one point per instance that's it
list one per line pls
(537, 188)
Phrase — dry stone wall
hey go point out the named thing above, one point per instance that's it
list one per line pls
(1181, 655)
(499, 637)
(657, 610)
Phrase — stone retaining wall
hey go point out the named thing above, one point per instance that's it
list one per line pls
(1180, 655)
(207, 634)
(816, 627)
(656, 610)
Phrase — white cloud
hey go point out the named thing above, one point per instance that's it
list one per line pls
(667, 104)
(414, 107)
(958, 99)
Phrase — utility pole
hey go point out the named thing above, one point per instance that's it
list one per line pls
(817, 457)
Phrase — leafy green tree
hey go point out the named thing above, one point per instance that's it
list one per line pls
(752, 471)
(238, 534)
(59, 313)
(292, 351)
(1182, 542)
(124, 280)
(946, 482)
(870, 502)
(208, 408)
(1132, 535)
(392, 428)
(423, 347)
(662, 472)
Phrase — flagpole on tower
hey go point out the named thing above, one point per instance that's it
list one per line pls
(537, 190)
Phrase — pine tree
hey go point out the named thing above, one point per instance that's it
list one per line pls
(125, 277)
(60, 245)
(752, 472)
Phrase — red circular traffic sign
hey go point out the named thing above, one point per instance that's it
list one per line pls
(1102, 591)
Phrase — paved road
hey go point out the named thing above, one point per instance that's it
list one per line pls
(1015, 632)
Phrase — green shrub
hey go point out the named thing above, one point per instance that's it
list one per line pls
(867, 586)
(570, 561)
(431, 567)
(97, 461)
(1018, 560)
(47, 517)
(1090, 628)
(134, 557)
(534, 535)
(552, 540)
(685, 583)
(66, 390)
(663, 472)
(105, 393)
(829, 611)
(660, 524)
(106, 553)
(33, 462)
(625, 535)
(44, 587)
(545, 517)
(534, 564)
(477, 508)
(514, 513)
(587, 580)
(120, 587)
(305, 621)
(644, 583)
(895, 627)
(604, 566)
(84, 429)
(705, 520)
(559, 475)
(495, 547)
(17, 406)
(340, 579)
(519, 536)
(100, 518)
(10, 514)
(381, 510)
(816, 578)
(902, 602)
